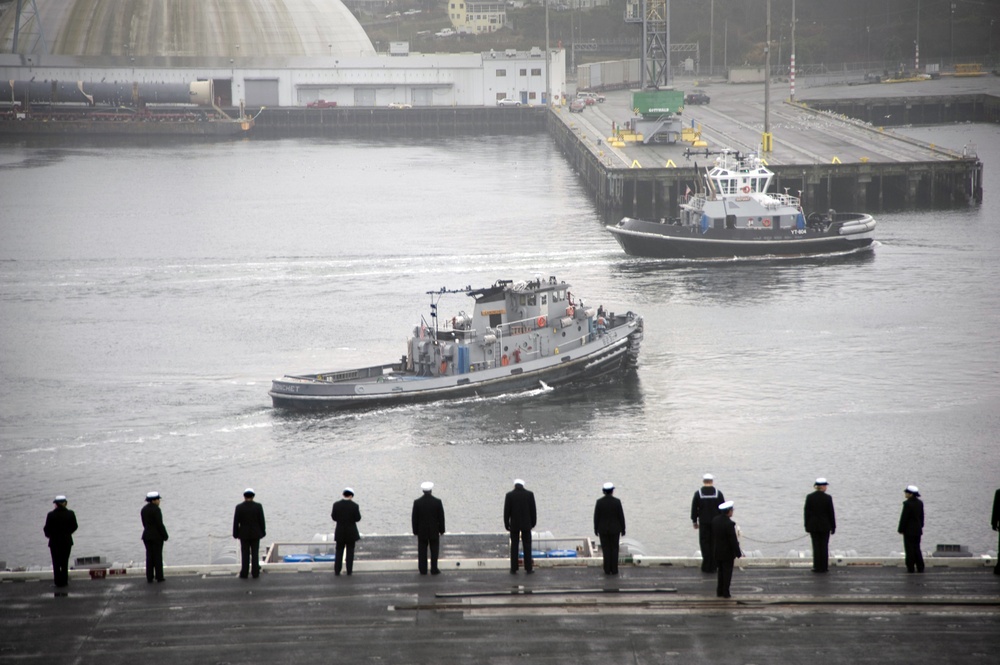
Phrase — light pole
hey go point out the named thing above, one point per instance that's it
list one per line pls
(791, 71)
(916, 42)
(951, 29)
(548, 58)
(711, 40)
(766, 138)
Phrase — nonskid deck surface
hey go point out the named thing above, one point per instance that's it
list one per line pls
(558, 615)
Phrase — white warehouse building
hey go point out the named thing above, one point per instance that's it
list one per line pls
(259, 53)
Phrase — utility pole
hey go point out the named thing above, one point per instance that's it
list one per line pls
(548, 59)
(766, 138)
(711, 40)
(791, 76)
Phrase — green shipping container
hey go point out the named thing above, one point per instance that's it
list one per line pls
(657, 102)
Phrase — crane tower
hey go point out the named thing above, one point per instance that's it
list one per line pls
(654, 16)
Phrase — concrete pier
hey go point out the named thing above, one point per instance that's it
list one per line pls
(833, 160)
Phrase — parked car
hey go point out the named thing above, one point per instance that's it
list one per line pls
(577, 105)
(507, 101)
(400, 105)
(321, 104)
(591, 97)
(696, 98)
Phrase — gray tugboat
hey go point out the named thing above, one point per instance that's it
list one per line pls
(519, 336)
(733, 215)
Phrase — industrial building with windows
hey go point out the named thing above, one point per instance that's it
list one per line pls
(254, 52)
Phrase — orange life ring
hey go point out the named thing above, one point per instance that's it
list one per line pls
(504, 360)
(746, 189)
(541, 322)
(766, 222)
(570, 311)
(444, 366)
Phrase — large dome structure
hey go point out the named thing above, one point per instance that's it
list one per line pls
(187, 28)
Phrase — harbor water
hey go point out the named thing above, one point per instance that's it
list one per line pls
(149, 293)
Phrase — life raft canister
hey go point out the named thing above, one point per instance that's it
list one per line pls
(541, 322)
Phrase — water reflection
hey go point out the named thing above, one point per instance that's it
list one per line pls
(734, 281)
(543, 415)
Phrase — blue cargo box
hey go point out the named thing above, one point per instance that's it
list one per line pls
(561, 554)
(297, 558)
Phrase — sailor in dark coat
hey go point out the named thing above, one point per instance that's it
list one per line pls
(725, 548)
(995, 523)
(911, 525)
(704, 508)
(346, 514)
(60, 524)
(154, 534)
(609, 526)
(249, 527)
(427, 520)
(821, 524)
(519, 519)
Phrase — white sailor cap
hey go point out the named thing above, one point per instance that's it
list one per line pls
(726, 506)
(152, 496)
(708, 476)
(427, 486)
(348, 490)
(821, 481)
(59, 499)
(912, 489)
(518, 481)
(608, 486)
(249, 492)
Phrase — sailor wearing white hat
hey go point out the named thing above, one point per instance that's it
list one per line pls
(346, 514)
(911, 526)
(820, 523)
(249, 527)
(609, 526)
(60, 524)
(725, 548)
(704, 508)
(427, 520)
(154, 534)
(519, 517)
